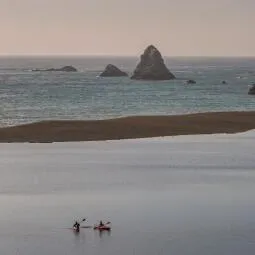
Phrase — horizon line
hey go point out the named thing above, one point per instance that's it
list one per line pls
(123, 56)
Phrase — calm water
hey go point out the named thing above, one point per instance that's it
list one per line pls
(26, 96)
(190, 195)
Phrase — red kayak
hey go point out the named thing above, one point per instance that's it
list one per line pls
(102, 228)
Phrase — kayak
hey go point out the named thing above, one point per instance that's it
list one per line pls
(102, 228)
(76, 229)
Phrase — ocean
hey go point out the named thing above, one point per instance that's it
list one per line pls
(27, 96)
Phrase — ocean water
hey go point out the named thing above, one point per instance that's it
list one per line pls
(27, 96)
(188, 195)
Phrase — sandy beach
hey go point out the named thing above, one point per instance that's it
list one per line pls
(130, 127)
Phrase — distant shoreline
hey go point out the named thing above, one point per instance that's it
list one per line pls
(129, 127)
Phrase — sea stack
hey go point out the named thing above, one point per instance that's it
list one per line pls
(152, 66)
(112, 71)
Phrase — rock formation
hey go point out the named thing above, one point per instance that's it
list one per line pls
(62, 69)
(112, 71)
(252, 90)
(152, 66)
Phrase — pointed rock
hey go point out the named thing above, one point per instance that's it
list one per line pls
(152, 66)
(112, 71)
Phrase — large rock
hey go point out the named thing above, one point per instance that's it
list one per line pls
(252, 90)
(62, 69)
(152, 66)
(112, 71)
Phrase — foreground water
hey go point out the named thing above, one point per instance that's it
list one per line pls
(182, 195)
(32, 96)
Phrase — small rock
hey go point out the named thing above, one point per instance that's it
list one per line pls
(252, 90)
(191, 82)
(112, 71)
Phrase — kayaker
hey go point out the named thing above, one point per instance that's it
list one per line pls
(76, 225)
(101, 224)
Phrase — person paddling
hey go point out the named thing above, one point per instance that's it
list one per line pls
(76, 225)
(103, 226)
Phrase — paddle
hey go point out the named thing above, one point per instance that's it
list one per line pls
(83, 220)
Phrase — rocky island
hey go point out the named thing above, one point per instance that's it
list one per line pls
(112, 71)
(152, 66)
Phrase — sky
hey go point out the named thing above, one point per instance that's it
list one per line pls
(126, 27)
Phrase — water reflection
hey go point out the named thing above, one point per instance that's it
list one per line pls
(79, 237)
(102, 233)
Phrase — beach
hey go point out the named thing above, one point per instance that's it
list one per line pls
(130, 127)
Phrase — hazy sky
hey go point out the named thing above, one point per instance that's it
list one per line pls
(118, 27)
